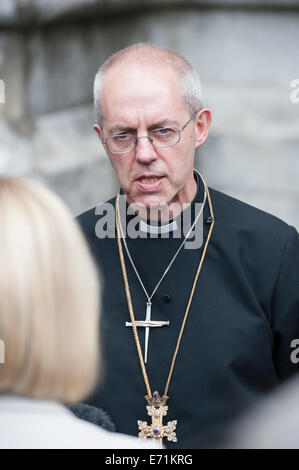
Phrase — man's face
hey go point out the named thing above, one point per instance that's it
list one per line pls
(137, 99)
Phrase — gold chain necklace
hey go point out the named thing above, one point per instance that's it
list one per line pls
(148, 322)
(156, 404)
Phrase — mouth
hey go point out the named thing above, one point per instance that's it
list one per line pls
(149, 182)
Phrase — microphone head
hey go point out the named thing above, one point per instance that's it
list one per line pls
(93, 415)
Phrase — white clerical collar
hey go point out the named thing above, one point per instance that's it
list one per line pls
(157, 229)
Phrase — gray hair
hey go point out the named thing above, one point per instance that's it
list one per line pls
(147, 53)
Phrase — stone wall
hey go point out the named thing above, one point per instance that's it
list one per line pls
(247, 54)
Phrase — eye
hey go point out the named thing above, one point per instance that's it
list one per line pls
(122, 137)
(162, 132)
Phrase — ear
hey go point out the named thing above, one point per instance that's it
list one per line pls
(100, 136)
(203, 122)
(98, 131)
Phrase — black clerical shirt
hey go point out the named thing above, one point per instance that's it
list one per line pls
(236, 345)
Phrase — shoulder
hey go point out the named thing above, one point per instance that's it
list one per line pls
(92, 436)
(241, 218)
(88, 435)
(40, 426)
(89, 218)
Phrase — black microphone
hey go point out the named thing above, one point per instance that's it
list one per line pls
(93, 415)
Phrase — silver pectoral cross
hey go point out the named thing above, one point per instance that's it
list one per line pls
(147, 324)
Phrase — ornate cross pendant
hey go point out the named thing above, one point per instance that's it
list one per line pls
(157, 409)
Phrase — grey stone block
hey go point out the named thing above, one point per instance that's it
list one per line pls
(239, 47)
(65, 140)
(13, 73)
(258, 111)
(7, 10)
(64, 61)
(15, 152)
(83, 187)
(239, 161)
(24, 12)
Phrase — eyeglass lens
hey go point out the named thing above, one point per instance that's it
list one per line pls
(163, 137)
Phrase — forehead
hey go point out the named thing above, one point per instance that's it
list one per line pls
(130, 92)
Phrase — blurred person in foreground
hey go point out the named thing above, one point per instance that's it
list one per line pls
(49, 319)
(272, 424)
(201, 298)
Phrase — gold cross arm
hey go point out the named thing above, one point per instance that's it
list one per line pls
(157, 430)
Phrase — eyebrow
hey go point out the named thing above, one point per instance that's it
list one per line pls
(120, 128)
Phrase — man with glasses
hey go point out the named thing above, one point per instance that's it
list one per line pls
(200, 330)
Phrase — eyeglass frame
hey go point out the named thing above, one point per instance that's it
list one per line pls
(151, 140)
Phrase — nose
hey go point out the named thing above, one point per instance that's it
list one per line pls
(145, 151)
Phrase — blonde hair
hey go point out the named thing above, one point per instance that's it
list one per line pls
(49, 305)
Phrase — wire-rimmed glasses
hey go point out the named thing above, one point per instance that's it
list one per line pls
(162, 137)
